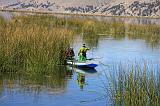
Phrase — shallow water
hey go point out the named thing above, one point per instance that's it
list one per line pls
(48, 90)
(91, 93)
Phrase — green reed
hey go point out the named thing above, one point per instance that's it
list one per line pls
(149, 33)
(92, 29)
(135, 85)
(32, 43)
(37, 41)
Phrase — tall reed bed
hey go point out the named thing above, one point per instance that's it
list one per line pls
(92, 30)
(135, 85)
(90, 26)
(38, 41)
(32, 43)
(150, 33)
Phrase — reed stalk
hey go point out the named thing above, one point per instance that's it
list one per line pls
(135, 85)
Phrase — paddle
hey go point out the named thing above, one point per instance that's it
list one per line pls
(95, 58)
(99, 61)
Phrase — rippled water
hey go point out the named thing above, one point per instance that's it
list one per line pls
(79, 87)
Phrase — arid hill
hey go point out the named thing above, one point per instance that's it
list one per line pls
(149, 8)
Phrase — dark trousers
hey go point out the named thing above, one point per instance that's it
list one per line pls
(84, 54)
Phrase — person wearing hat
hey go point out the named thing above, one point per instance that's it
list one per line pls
(82, 53)
(70, 53)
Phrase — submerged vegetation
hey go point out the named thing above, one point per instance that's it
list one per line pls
(135, 85)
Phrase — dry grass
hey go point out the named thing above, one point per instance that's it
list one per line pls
(32, 45)
(40, 40)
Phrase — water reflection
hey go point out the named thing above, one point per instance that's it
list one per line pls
(121, 44)
(81, 74)
(54, 81)
(81, 80)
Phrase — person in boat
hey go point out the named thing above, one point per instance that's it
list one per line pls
(82, 53)
(70, 53)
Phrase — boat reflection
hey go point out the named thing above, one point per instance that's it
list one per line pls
(86, 71)
(81, 80)
(81, 74)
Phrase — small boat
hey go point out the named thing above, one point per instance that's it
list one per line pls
(84, 64)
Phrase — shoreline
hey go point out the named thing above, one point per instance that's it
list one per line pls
(78, 14)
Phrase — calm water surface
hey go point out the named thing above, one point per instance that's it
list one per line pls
(18, 91)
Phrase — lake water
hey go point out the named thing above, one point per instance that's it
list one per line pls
(8, 15)
(79, 87)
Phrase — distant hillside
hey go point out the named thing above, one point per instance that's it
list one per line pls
(149, 8)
